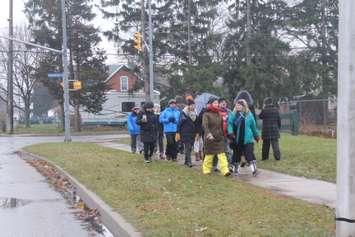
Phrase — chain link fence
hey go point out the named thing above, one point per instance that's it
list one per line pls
(316, 116)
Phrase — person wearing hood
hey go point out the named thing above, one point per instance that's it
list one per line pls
(242, 129)
(170, 120)
(187, 129)
(212, 124)
(160, 135)
(149, 129)
(270, 116)
(134, 130)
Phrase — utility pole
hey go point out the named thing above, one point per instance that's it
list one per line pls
(151, 66)
(189, 30)
(144, 53)
(248, 33)
(65, 75)
(345, 210)
(10, 96)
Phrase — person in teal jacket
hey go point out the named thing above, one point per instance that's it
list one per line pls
(243, 131)
(170, 120)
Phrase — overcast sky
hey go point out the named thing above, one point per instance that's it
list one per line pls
(19, 19)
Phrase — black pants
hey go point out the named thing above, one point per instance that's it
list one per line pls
(239, 150)
(160, 143)
(171, 146)
(134, 143)
(148, 150)
(188, 150)
(275, 147)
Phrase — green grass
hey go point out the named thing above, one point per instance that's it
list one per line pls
(311, 157)
(166, 199)
(53, 129)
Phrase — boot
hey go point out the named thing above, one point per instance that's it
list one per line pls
(253, 168)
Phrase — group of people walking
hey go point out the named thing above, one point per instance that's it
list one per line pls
(217, 135)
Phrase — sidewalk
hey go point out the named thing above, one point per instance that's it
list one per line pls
(310, 190)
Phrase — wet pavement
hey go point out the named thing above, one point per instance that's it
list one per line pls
(28, 205)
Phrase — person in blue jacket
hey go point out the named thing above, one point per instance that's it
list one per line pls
(134, 130)
(170, 120)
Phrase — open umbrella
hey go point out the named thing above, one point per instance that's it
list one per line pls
(201, 100)
(245, 95)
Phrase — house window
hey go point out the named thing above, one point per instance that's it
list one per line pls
(124, 83)
(127, 106)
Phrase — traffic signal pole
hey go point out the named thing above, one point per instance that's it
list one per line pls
(65, 76)
(345, 210)
(151, 62)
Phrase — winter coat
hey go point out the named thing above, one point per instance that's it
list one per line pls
(165, 119)
(271, 122)
(133, 127)
(250, 129)
(187, 128)
(212, 122)
(199, 128)
(149, 129)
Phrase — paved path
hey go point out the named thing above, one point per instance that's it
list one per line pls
(314, 191)
(29, 206)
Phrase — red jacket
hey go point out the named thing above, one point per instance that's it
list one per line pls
(224, 114)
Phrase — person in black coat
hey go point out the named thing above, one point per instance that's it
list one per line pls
(187, 129)
(271, 129)
(149, 130)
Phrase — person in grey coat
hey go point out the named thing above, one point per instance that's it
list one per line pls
(270, 116)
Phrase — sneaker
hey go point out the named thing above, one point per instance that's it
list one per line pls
(215, 169)
(227, 174)
(232, 169)
(243, 164)
(255, 173)
(147, 161)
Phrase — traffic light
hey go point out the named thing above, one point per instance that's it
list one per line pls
(77, 85)
(138, 41)
(73, 85)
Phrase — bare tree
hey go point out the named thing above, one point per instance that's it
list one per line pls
(26, 64)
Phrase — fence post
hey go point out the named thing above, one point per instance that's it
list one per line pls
(295, 121)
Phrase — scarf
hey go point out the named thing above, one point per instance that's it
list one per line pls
(210, 108)
(191, 114)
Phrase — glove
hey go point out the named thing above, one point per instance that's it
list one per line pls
(172, 120)
(257, 139)
(177, 137)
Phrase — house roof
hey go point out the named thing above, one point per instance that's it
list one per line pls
(116, 69)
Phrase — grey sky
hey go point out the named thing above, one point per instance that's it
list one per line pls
(19, 19)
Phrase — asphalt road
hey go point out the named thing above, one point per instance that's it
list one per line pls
(29, 207)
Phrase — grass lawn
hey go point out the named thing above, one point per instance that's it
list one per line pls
(312, 157)
(52, 129)
(166, 199)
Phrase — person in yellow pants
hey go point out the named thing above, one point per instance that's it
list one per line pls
(214, 138)
(222, 160)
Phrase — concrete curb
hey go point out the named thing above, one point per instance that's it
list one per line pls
(112, 220)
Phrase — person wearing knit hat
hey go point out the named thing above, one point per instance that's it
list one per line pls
(134, 130)
(187, 129)
(243, 131)
(170, 120)
(149, 129)
(271, 129)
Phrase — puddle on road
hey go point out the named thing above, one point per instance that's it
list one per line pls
(8, 203)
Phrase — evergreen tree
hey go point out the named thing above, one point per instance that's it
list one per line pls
(314, 23)
(86, 59)
(266, 75)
